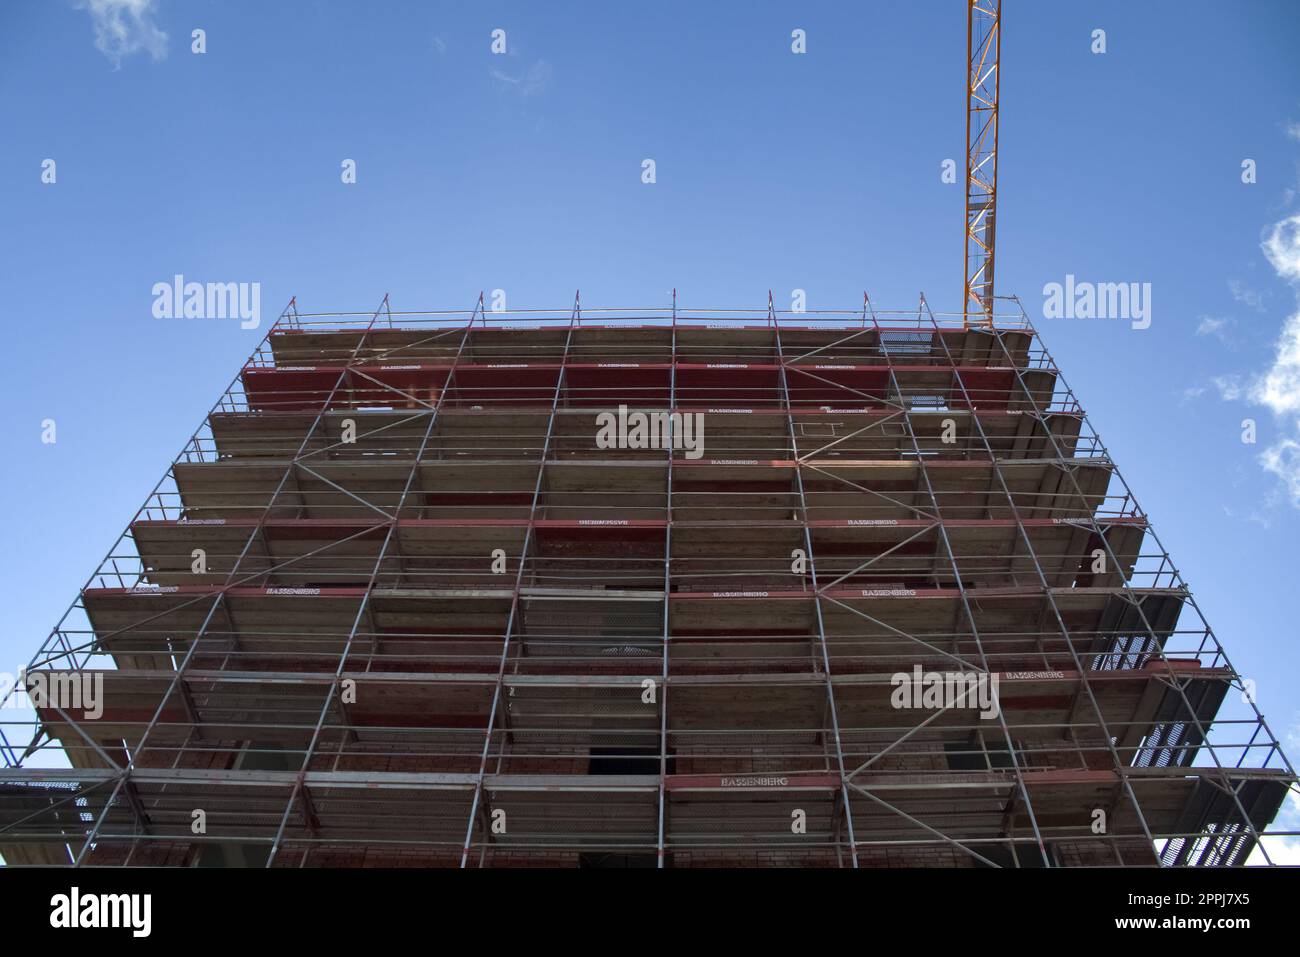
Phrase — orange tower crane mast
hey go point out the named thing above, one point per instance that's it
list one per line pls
(984, 44)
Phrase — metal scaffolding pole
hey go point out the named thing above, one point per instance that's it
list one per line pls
(897, 390)
(662, 813)
(299, 787)
(1038, 568)
(1126, 586)
(514, 614)
(817, 598)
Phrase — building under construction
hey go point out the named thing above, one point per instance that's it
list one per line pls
(400, 602)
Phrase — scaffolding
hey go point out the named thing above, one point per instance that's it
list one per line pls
(395, 603)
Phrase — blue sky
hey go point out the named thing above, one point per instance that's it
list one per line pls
(774, 171)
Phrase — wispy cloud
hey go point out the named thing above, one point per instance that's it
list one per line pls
(530, 82)
(1217, 327)
(1209, 326)
(1231, 388)
(1293, 129)
(124, 27)
(1246, 295)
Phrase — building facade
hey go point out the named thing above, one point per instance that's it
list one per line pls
(639, 588)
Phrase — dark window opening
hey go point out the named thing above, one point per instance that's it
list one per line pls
(628, 760)
(973, 756)
(619, 860)
(1019, 855)
(267, 756)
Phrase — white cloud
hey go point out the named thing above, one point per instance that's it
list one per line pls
(1282, 247)
(1282, 458)
(1278, 388)
(124, 27)
(1293, 129)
